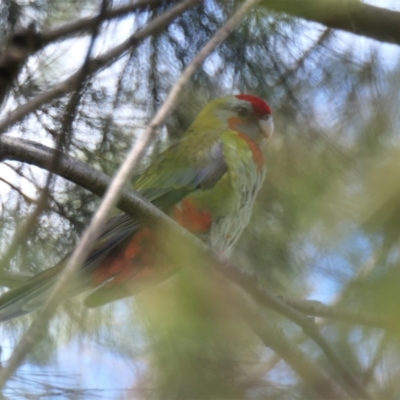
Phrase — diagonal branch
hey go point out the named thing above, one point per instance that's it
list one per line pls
(113, 193)
(27, 41)
(25, 228)
(275, 338)
(248, 282)
(86, 24)
(96, 64)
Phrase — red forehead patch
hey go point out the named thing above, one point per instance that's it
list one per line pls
(259, 106)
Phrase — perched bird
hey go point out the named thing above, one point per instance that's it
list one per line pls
(207, 182)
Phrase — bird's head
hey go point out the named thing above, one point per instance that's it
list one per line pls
(243, 113)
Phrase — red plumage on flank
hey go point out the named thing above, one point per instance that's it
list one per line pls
(260, 107)
(134, 261)
(191, 217)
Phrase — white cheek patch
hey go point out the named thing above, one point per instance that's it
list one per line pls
(267, 127)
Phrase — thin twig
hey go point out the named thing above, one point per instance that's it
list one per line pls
(59, 208)
(19, 191)
(116, 101)
(27, 41)
(325, 35)
(273, 337)
(26, 227)
(86, 24)
(96, 64)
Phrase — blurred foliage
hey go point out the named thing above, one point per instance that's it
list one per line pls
(326, 224)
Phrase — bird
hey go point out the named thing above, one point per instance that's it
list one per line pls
(207, 182)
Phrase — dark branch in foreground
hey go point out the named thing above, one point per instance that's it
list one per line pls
(27, 41)
(94, 65)
(97, 182)
(86, 24)
(348, 15)
(21, 45)
(78, 172)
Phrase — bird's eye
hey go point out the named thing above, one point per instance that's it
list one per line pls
(265, 116)
(242, 112)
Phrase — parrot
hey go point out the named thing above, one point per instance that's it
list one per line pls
(207, 182)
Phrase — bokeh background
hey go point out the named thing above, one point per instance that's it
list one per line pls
(325, 226)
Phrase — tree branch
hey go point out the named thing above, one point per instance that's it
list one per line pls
(86, 24)
(96, 64)
(349, 15)
(276, 339)
(249, 283)
(27, 41)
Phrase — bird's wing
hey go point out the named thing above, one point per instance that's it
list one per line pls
(187, 166)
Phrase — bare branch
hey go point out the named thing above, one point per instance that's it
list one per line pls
(27, 41)
(348, 15)
(19, 191)
(86, 24)
(113, 193)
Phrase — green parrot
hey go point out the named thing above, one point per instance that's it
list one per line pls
(207, 182)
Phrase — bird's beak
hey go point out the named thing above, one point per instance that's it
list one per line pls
(267, 126)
